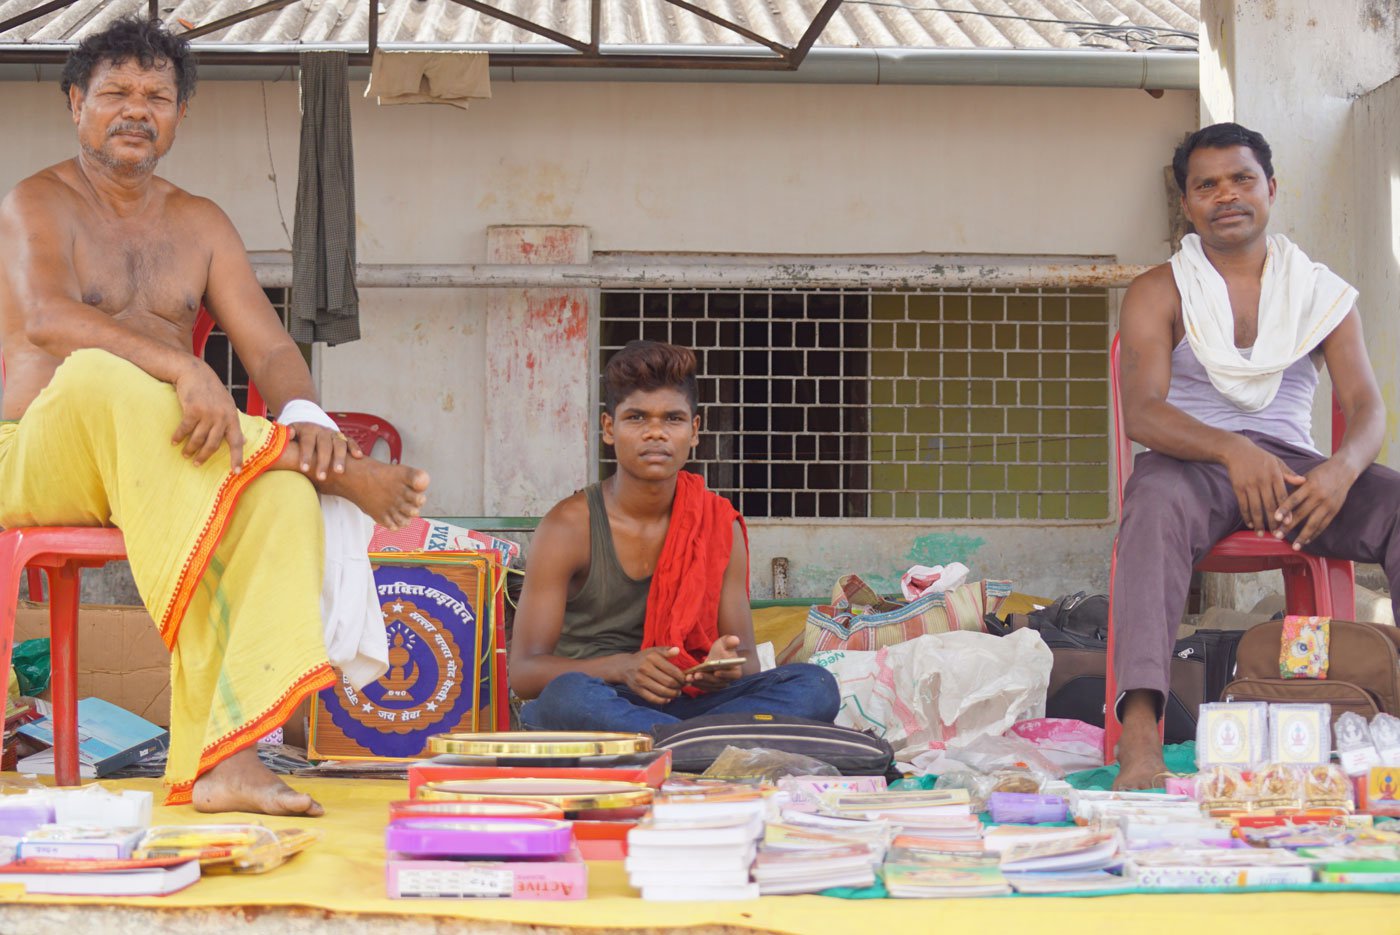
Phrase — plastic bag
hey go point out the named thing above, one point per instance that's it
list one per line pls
(950, 687)
(30, 660)
(226, 848)
(1072, 745)
(762, 763)
(989, 756)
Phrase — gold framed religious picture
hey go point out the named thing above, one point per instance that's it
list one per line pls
(440, 613)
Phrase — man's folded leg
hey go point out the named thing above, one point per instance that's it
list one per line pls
(798, 689)
(574, 701)
(228, 564)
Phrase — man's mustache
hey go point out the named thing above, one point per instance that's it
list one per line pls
(132, 126)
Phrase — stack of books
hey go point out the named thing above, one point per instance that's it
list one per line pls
(109, 738)
(1064, 864)
(897, 806)
(698, 845)
(811, 870)
(81, 860)
(1191, 867)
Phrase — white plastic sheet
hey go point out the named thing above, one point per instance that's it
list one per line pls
(941, 688)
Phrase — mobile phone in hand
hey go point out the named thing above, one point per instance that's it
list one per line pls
(712, 665)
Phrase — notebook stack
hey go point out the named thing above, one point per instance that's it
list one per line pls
(779, 872)
(698, 845)
(1064, 864)
(948, 861)
(900, 806)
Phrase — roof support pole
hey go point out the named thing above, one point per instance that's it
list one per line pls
(595, 27)
(809, 37)
(234, 18)
(43, 9)
(519, 22)
(373, 27)
(748, 34)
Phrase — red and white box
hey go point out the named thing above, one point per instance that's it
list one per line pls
(412, 878)
(430, 535)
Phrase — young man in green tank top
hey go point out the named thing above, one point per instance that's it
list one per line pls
(598, 644)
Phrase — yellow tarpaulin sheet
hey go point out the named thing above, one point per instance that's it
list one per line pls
(344, 873)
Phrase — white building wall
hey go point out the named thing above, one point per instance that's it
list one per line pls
(1292, 69)
(722, 168)
(1376, 139)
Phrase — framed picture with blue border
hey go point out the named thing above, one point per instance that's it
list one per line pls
(439, 615)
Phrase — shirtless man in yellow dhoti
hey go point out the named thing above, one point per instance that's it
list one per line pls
(110, 420)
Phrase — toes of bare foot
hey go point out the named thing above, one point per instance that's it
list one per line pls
(288, 801)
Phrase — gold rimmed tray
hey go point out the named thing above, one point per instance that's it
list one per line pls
(568, 795)
(524, 745)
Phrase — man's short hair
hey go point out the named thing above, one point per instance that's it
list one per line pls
(646, 366)
(131, 38)
(1221, 136)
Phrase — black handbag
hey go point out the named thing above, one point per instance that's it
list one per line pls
(697, 742)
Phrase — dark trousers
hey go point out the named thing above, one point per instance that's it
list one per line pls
(1175, 511)
(574, 701)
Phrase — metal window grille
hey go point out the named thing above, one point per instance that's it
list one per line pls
(219, 355)
(940, 404)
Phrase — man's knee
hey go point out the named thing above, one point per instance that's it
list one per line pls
(1161, 499)
(99, 374)
(568, 686)
(102, 385)
(560, 703)
(813, 690)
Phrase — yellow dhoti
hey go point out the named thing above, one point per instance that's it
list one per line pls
(228, 564)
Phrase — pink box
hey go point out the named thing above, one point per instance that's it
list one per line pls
(564, 878)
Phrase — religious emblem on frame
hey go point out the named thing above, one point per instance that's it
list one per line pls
(438, 614)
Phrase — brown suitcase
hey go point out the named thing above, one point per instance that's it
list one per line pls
(1363, 672)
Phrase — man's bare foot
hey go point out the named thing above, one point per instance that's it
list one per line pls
(1140, 763)
(391, 494)
(242, 784)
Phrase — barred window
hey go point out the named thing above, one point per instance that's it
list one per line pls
(219, 355)
(938, 404)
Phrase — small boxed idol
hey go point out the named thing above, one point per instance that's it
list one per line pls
(1385, 733)
(1300, 734)
(1232, 734)
(1355, 748)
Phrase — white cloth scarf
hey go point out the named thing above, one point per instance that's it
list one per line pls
(1300, 302)
(353, 624)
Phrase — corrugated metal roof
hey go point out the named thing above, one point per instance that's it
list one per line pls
(1123, 25)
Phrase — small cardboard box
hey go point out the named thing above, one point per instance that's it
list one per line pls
(121, 658)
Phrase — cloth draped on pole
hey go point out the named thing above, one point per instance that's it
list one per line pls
(325, 305)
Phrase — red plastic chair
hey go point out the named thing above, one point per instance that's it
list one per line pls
(366, 429)
(1311, 584)
(62, 552)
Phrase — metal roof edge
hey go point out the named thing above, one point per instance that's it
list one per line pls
(1170, 71)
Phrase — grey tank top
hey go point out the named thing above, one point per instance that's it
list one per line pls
(608, 613)
(1288, 417)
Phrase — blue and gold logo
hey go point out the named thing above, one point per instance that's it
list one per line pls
(432, 630)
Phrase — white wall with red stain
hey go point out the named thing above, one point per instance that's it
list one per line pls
(491, 391)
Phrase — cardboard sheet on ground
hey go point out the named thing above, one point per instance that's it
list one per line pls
(344, 873)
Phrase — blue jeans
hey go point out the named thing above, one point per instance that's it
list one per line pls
(574, 701)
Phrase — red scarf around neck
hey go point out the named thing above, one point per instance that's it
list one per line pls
(683, 602)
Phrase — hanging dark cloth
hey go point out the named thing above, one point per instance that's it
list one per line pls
(325, 306)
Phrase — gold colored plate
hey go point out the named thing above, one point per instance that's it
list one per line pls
(569, 795)
(541, 744)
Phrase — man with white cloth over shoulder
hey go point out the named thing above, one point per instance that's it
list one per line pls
(1220, 351)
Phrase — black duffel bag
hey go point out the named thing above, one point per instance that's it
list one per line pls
(1075, 627)
(697, 742)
